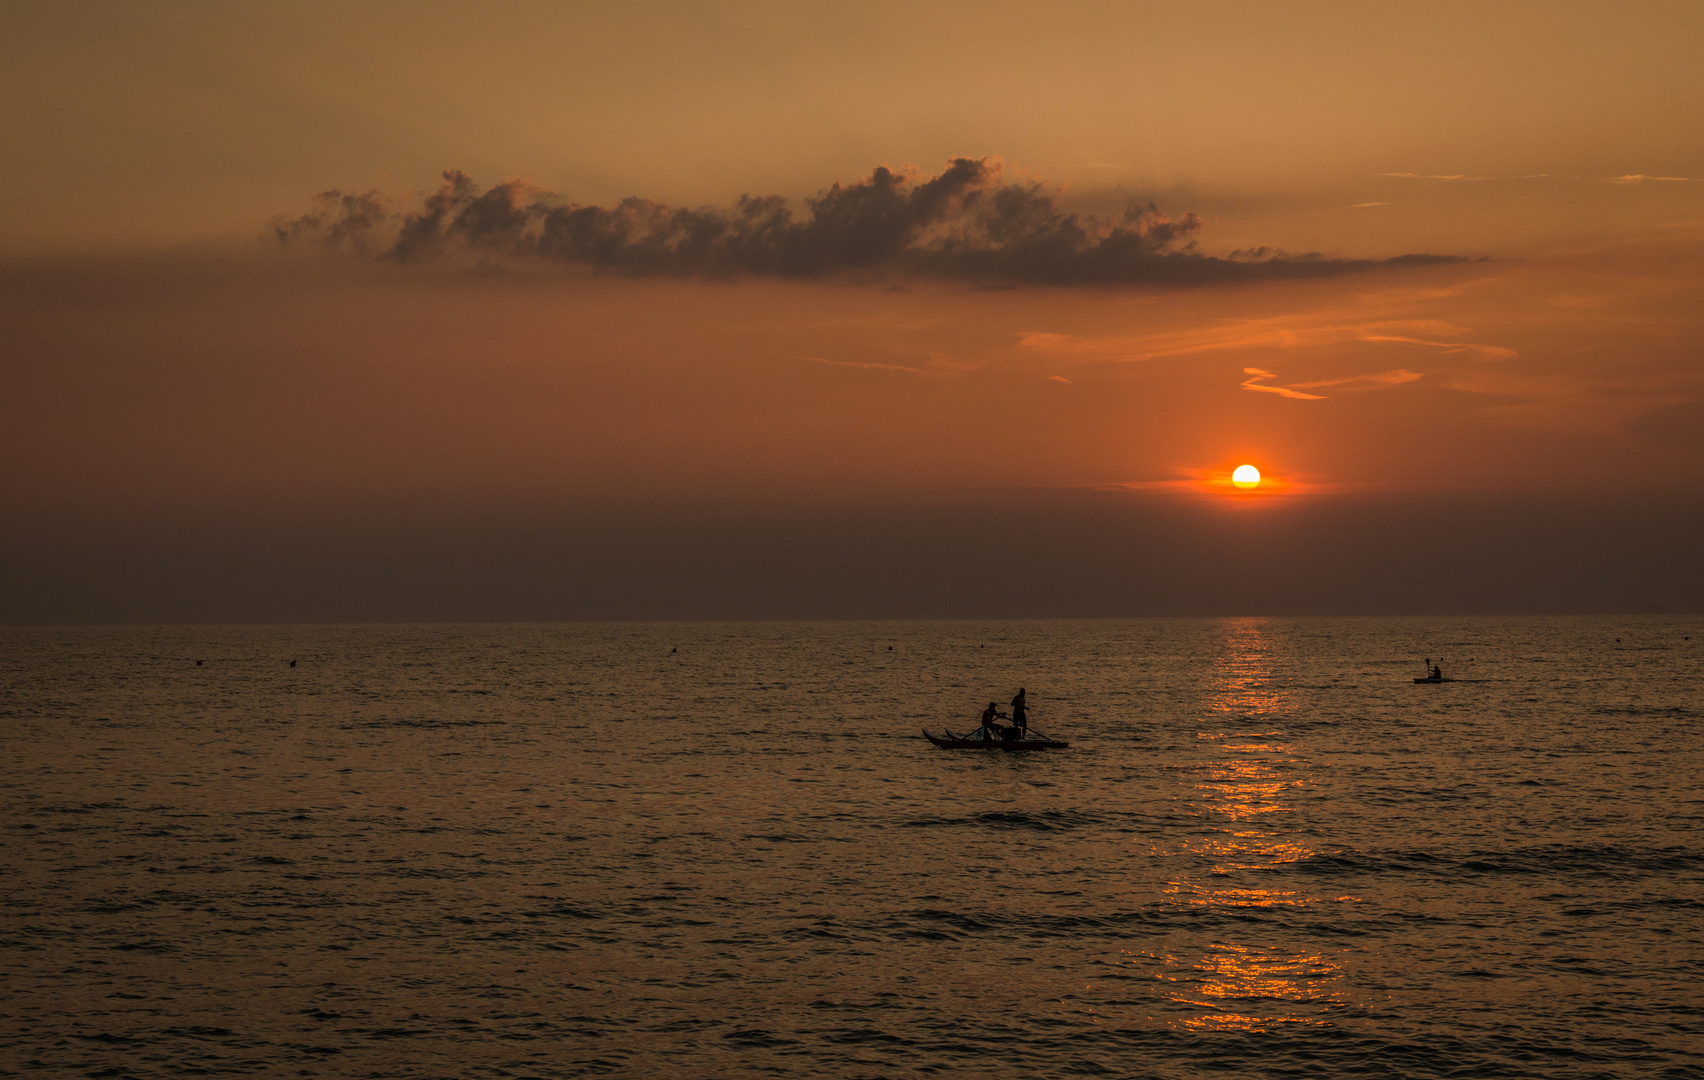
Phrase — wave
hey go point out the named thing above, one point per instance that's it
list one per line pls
(1550, 860)
(1039, 821)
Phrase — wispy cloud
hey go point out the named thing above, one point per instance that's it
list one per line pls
(864, 365)
(1461, 176)
(966, 223)
(1489, 353)
(1640, 178)
(938, 363)
(1257, 382)
(1259, 378)
(1287, 333)
(1629, 178)
(1363, 382)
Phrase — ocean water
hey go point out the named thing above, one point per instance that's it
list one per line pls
(723, 850)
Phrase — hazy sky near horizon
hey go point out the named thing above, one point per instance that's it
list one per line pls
(1177, 238)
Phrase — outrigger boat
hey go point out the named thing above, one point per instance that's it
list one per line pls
(980, 742)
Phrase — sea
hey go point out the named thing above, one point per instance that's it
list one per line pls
(724, 850)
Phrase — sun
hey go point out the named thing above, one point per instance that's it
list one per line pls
(1246, 478)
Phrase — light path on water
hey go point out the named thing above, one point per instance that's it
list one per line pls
(724, 849)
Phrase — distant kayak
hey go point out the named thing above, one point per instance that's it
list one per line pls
(955, 742)
(1431, 678)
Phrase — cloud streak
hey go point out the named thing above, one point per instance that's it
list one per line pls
(1363, 382)
(967, 223)
(1477, 350)
(1461, 176)
(1640, 178)
(1259, 378)
(1256, 381)
(1287, 333)
(1629, 178)
(870, 365)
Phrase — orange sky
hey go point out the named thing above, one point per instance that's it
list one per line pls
(176, 374)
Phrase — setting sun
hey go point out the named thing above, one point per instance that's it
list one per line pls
(1246, 477)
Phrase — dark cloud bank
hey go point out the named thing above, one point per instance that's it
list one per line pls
(966, 223)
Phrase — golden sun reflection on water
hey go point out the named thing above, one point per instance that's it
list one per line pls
(1240, 975)
(1243, 793)
(1203, 896)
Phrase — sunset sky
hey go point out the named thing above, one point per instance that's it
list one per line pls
(536, 311)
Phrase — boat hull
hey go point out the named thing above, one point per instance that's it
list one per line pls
(953, 742)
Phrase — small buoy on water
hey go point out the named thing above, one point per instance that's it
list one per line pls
(198, 663)
(292, 663)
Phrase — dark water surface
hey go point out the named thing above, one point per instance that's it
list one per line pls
(559, 851)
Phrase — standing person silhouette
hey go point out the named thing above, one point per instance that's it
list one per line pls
(1020, 713)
